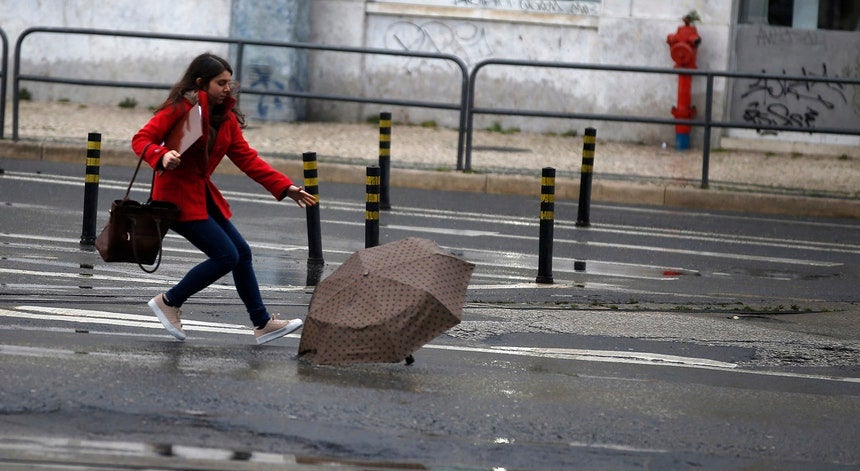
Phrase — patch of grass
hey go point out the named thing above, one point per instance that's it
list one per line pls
(497, 127)
(844, 157)
(64, 100)
(571, 133)
(429, 124)
(25, 95)
(128, 103)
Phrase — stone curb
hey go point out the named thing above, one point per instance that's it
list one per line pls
(652, 194)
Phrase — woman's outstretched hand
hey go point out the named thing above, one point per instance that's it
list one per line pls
(170, 160)
(301, 197)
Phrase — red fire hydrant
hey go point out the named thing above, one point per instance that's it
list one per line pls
(683, 46)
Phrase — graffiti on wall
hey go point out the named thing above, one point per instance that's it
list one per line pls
(464, 40)
(568, 7)
(788, 37)
(262, 78)
(792, 102)
(562, 7)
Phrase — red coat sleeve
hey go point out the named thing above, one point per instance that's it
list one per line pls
(248, 160)
(153, 132)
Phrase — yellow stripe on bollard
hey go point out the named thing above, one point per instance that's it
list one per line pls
(371, 215)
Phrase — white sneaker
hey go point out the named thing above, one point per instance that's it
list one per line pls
(169, 316)
(275, 329)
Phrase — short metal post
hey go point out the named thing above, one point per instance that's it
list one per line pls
(311, 185)
(547, 223)
(371, 211)
(584, 209)
(91, 188)
(384, 159)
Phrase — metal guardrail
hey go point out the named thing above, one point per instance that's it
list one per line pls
(469, 83)
(241, 44)
(707, 122)
(3, 75)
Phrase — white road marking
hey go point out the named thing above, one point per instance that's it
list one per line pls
(644, 248)
(84, 316)
(128, 279)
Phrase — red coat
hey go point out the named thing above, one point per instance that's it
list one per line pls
(187, 184)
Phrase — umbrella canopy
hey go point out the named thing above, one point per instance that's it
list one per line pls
(384, 303)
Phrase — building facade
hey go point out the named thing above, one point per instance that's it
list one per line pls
(808, 38)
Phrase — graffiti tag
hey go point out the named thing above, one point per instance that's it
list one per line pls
(791, 102)
(569, 7)
(262, 77)
(463, 40)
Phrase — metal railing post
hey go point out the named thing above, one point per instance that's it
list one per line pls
(706, 145)
(4, 73)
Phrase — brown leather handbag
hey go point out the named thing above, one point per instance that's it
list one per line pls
(135, 230)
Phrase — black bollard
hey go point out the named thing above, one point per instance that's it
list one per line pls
(371, 211)
(547, 223)
(311, 184)
(384, 159)
(589, 143)
(91, 189)
(315, 254)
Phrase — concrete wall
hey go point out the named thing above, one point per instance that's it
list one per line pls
(796, 52)
(106, 58)
(274, 69)
(628, 32)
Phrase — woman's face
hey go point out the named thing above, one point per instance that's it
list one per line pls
(219, 87)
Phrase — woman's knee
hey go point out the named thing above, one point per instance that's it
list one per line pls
(228, 259)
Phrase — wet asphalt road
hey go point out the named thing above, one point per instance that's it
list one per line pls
(691, 339)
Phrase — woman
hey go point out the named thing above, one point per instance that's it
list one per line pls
(204, 218)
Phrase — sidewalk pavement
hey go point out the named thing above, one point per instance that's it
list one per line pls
(502, 163)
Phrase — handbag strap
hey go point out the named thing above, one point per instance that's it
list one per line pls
(134, 176)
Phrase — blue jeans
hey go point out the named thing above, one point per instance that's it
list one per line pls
(227, 251)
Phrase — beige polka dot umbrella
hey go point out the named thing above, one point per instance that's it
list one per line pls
(384, 303)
